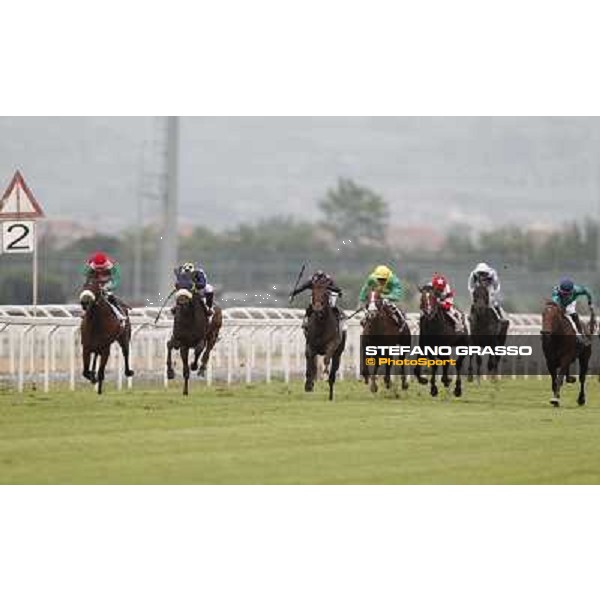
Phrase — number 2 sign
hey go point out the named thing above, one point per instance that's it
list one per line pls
(18, 237)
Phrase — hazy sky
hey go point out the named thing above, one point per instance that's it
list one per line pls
(478, 170)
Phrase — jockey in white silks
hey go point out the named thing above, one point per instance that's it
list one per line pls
(487, 276)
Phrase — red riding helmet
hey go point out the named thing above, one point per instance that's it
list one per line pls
(99, 260)
(439, 282)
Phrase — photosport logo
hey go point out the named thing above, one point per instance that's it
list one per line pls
(517, 355)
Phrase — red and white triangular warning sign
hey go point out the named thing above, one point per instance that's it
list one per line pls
(18, 201)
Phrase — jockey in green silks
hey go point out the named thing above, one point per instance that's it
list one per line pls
(565, 294)
(383, 280)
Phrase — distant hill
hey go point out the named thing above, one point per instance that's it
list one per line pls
(475, 170)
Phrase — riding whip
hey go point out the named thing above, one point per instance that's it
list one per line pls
(297, 281)
(163, 305)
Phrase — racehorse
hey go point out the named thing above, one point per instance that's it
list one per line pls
(324, 337)
(191, 330)
(380, 321)
(486, 330)
(560, 346)
(435, 329)
(100, 327)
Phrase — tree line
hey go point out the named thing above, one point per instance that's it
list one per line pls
(348, 239)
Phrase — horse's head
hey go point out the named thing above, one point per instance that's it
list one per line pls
(481, 296)
(185, 287)
(552, 319)
(90, 294)
(373, 302)
(320, 297)
(428, 303)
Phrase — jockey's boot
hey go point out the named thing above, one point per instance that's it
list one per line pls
(341, 319)
(458, 319)
(118, 306)
(399, 316)
(581, 338)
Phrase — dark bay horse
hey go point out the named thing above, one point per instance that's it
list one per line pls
(191, 331)
(486, 330)
(435, 329)
(324, 337)
(560, 347)
(380, 321)
(100, 327)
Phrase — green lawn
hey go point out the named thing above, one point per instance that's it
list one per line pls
(498, 433)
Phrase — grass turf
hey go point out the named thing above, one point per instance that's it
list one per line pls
(497, 433)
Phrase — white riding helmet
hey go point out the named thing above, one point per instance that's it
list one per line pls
(188, 267)
(483, 268)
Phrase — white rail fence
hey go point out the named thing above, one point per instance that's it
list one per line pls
(256, 344)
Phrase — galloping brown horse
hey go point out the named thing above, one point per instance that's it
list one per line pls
(379, 320)
(436, 330)
(559, 343)
(100, 327)
(192, 331)
(486, 330)
(324, 337)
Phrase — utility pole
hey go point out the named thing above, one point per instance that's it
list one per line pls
(169, 233)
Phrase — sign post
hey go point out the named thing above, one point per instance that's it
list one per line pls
(18, 213)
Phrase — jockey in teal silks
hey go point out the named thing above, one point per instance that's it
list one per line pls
(565, 294)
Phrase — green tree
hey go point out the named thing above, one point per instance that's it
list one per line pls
(355, 212)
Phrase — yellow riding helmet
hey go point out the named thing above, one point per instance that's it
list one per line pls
(382, 272)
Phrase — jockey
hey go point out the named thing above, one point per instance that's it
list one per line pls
(488, 277)
(195, 273)
(565, 294)
(388, 285)
(107, 272)
(332, 288)
(445, 297)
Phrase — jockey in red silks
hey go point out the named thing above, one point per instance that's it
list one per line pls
(445, 297)
(102, 269)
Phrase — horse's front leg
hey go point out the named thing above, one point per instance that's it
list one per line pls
(445, 377)
(458, 384)
(170, 370)
(197, 352)
(583, 369)
(311, 369)
(433, 386)
(124, 341)
(101, 369)
(335, 365)
(470, 369)
(88, 372)
(403, 377)
(184, 351)
(374, 387)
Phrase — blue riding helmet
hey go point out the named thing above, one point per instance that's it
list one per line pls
(566, 287)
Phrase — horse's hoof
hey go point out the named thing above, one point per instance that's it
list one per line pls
(193, 367)
(374, 388)
(458, 392)
(202, 373)
(555, 403)
(423, 380)
(170, 374)
(309, 387)
(434, 391)
(571, 379)
(446, 382)
(470, 378)
(581, 401)
(405, 385)
(129, 373)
